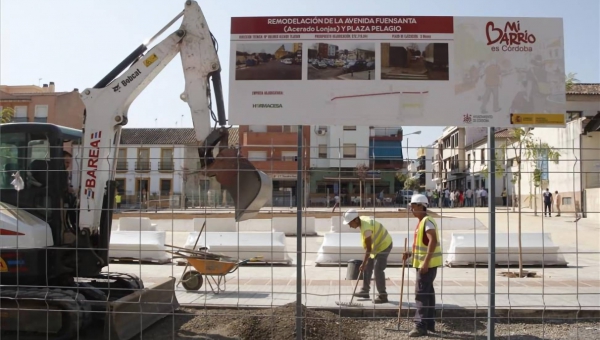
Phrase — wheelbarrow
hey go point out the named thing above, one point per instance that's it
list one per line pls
(213, 270)
(212, 267)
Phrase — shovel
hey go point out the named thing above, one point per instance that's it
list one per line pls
(397, 329)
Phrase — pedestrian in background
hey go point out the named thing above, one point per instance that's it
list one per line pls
(557, 202)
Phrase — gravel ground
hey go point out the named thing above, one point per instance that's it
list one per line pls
(279, 324)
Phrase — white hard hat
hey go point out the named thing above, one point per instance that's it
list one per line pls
(350, 215)
(419, 199)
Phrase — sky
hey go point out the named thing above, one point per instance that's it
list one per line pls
(75, 43)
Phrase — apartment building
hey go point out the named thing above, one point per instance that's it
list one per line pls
(449, 159)
(274, 150)
(337, 152)
(154, 167)
(424, 168)
(32, 103)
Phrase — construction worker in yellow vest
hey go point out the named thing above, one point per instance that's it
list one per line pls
(427, 257)
(378, 244)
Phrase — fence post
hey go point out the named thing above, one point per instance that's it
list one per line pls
(491, 234)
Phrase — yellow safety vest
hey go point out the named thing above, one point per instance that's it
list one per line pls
(420, 249)
(380, 237)
(118, 199)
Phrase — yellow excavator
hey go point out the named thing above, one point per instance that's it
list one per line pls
(52, 279)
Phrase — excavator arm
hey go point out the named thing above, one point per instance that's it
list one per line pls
(108, 101)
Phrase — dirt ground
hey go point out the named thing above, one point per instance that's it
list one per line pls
(279, 324)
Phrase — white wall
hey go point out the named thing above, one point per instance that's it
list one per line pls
(476, 167)
(335, 138)
(154, 175)
(430, 184)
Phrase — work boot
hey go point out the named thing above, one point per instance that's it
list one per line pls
(381, 299)
(362, 294)
(417, 332)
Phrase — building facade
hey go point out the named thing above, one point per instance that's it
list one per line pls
(155, 166)
(345, 158)
(424, 168)
(31, 103)
(449, 159)
(576, 176)
(274, 150)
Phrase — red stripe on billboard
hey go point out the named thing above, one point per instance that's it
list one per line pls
(366, 24)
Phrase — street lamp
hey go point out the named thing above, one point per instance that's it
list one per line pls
(412, 133)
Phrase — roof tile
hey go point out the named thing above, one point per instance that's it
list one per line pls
(179, 136)
(585, 89)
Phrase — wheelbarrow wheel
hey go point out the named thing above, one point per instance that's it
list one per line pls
(192, 280)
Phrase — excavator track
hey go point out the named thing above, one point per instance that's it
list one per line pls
(34, 313)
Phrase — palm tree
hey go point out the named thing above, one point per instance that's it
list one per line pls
(7, 115)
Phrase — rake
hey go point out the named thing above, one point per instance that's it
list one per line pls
(397, 329)
(352, 304)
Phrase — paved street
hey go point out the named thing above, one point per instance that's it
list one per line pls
(576, 286)
(331, 73)
(273, 70)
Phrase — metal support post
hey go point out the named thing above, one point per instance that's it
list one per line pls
(491, 234)
(299, 201)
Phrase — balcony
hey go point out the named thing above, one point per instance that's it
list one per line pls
(386, 134)
(122, 166)
(166, 166)
(142, 166)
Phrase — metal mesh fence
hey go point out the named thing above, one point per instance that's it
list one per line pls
(168, 223)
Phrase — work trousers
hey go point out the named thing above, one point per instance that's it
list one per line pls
(378, 264)
(425, 299)
(548, 208)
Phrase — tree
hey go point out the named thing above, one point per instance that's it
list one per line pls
(412, 184)
(570, 81)
(361, 171)
(528, 148)
(7, 115)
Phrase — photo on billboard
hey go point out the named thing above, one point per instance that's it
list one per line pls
(345, 60)
(268, 61)
(415, 61)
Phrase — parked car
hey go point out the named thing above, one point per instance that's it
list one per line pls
(356, 66)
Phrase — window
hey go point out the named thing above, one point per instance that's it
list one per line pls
(322, 150)
(165, 187)
(41, 113)
(121, 186)
(349, 128)
(349, 150)
(143, 161)
(291, 156)
(572, 115)
(166, 160)
(20, 114)
(567, 201)
(290, 128)
(482, 156)
(468, 161)
(257, 155)
(122, 159)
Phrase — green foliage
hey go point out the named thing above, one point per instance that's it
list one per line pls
(401, 177)
(412, 184)
(570, 81)
(6, 115)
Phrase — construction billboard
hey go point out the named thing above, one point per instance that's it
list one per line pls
(427, 71)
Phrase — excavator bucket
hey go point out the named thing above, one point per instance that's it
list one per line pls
(249, 187)
(132, 314)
